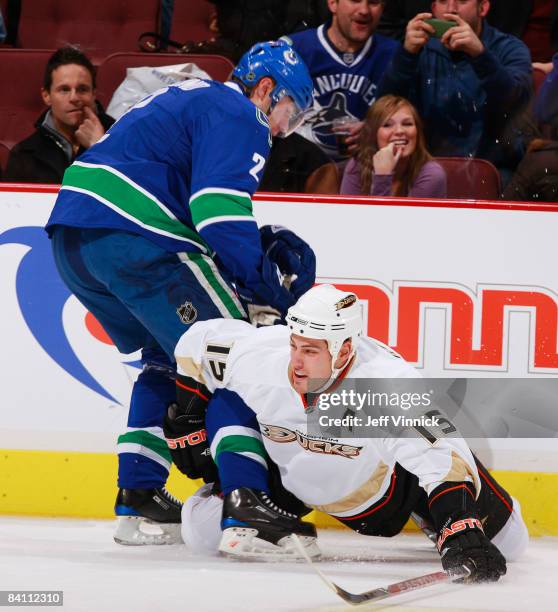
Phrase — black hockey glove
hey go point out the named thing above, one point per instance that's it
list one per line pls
(461, 540)
(184, 429)
(291, 254)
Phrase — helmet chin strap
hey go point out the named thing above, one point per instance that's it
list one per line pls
(335, 371)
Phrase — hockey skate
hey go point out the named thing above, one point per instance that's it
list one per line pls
(254, 527)
(147, 517)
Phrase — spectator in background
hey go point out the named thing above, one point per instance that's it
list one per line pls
(468, 86)
(534, 21)
(73, 121)
(546, 102)
(346, 61)
(536, 177)
(392, 159)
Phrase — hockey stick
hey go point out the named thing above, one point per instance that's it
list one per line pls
(390, 590)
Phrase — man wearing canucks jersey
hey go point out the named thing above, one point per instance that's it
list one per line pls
(347, 61)
(266, 405)
(153, 229)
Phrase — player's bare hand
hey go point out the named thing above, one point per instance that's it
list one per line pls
(352, 139)
(461, 37)
(386, 159)
(418, 33)
(91, 129)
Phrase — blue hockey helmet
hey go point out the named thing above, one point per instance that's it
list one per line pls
(278, 60)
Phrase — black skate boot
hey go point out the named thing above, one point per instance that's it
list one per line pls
(147, 516)
(254, 527)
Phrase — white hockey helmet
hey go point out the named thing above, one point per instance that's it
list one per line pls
(326, 313)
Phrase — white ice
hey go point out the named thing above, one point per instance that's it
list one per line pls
(80, 558)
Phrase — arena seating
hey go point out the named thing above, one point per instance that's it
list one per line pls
(113, 69)
(475, 179)
(99, 28)
(190, 21)
(21, 75)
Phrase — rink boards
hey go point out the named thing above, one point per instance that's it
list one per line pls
(416, 264)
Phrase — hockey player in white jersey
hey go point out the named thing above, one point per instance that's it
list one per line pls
(258, 394)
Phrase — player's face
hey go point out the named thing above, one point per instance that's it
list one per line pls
(285, 117)
(401, 129)
(71, 90)
(471, 11)
(355, 20)
(310, 364)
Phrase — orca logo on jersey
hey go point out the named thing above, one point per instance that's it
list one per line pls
(275, 433)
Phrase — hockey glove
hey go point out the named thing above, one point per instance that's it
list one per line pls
(184, 429)
(291, 254)
(461, 540)
(268, 291)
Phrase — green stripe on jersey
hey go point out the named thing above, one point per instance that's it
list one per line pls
(240, 444)
(219, 287)
(216, 204)
(144, 438)
(123, 195)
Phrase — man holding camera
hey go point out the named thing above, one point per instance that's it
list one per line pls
(467, 79)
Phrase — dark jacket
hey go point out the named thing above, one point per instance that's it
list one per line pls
(536, 177)
(467, 103)
(40, 157)
(546, 102)
(510, 16)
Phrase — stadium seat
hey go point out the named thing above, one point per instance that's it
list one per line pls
(99, 28)
(4, 154)
(190, 21)
(471, 178)
(112, 70)
(21, 75)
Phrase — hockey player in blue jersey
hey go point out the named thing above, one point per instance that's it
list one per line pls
(153, 230)
(347, 61)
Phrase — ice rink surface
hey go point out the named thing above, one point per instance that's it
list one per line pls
(80, 558)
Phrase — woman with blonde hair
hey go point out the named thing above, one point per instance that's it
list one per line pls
(392, 159)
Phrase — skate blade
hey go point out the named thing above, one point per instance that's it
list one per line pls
(139, 531)
(243, 543)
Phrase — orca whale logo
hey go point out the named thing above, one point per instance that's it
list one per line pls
(323, 119)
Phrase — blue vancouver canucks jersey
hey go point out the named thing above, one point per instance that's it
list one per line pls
(344, 83)
(179, 168)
